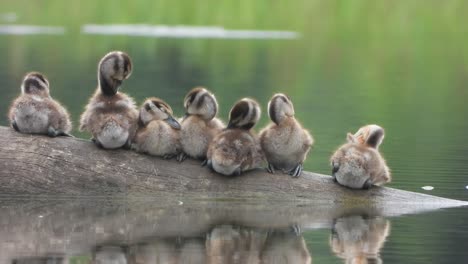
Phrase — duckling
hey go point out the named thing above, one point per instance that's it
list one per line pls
(35, 112)
(111, 116)
(359, 239)
(237, 148)
(157, 132)
(285, 142)
(358, 163)
(200, 125)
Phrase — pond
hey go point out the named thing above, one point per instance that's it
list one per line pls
(402, 65)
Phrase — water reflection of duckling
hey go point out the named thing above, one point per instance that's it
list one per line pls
(157, 132)
(237, 148)
(358, 239)
(111, 116)
(285, 142)
(35, 112)
(110, 255)
(227, 244)
(170, 251)
(358, 163)
(200, 125)
(285, 246)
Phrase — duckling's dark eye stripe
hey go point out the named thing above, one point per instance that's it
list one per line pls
(201, 100)
(115, 58)
(40, 77)
(374, 138)
(127, 63)
(272, 112)
(254, 111)
(147, 107)
(32, 82)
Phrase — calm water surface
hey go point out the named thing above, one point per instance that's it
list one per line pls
(402, 65)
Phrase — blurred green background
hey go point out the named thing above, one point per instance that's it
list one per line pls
(400, 64)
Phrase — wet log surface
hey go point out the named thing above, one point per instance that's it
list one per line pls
(33, 165)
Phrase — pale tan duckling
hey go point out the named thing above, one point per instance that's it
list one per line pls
(285, 142)
(111, 116)
(35, 112)
(359, 239)
(158, 131)
(237, 148)
(199, 125)
(358, 163)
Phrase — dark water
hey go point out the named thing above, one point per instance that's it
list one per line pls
(399, 64)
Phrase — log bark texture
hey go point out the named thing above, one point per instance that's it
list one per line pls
(32, 165)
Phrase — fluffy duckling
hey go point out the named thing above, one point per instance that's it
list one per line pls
(358, 163)
(35, 112)
(285, 142)
(111, 116)
(157, 132)
(237, 148)
(200, 125)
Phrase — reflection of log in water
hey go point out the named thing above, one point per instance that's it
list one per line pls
(358, 239)
(76, 227)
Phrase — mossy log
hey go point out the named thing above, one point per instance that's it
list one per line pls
(34, 165)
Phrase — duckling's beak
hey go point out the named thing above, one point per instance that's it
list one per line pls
(172, 122)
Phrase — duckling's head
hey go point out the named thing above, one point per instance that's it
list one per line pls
(370, 135)
(199, 101)
(156, 109)
(35, 83)
(280, 107)
(113, 69)
(244, 114)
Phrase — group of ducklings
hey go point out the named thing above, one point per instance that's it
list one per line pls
(114, 122)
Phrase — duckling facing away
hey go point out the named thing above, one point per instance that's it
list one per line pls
(157, 132)
(285, 142)
(237, 148)
(200, 125)
(358, 163)
(35, 112)
(111, 116)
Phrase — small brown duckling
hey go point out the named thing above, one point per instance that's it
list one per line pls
(35, 112)
(237, 148)
(358, 163)
(200, 125)
(285, 142)
(111, 116)
(158, 131)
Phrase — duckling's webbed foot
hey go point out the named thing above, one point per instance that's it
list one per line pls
(127, 145)
(237, 172)
(181, 157)
(168, 156)
(296, 172)
(209, 164)
(97, 143)
(367, 184)
(296, 229)
(15, 126)
(270, 168)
